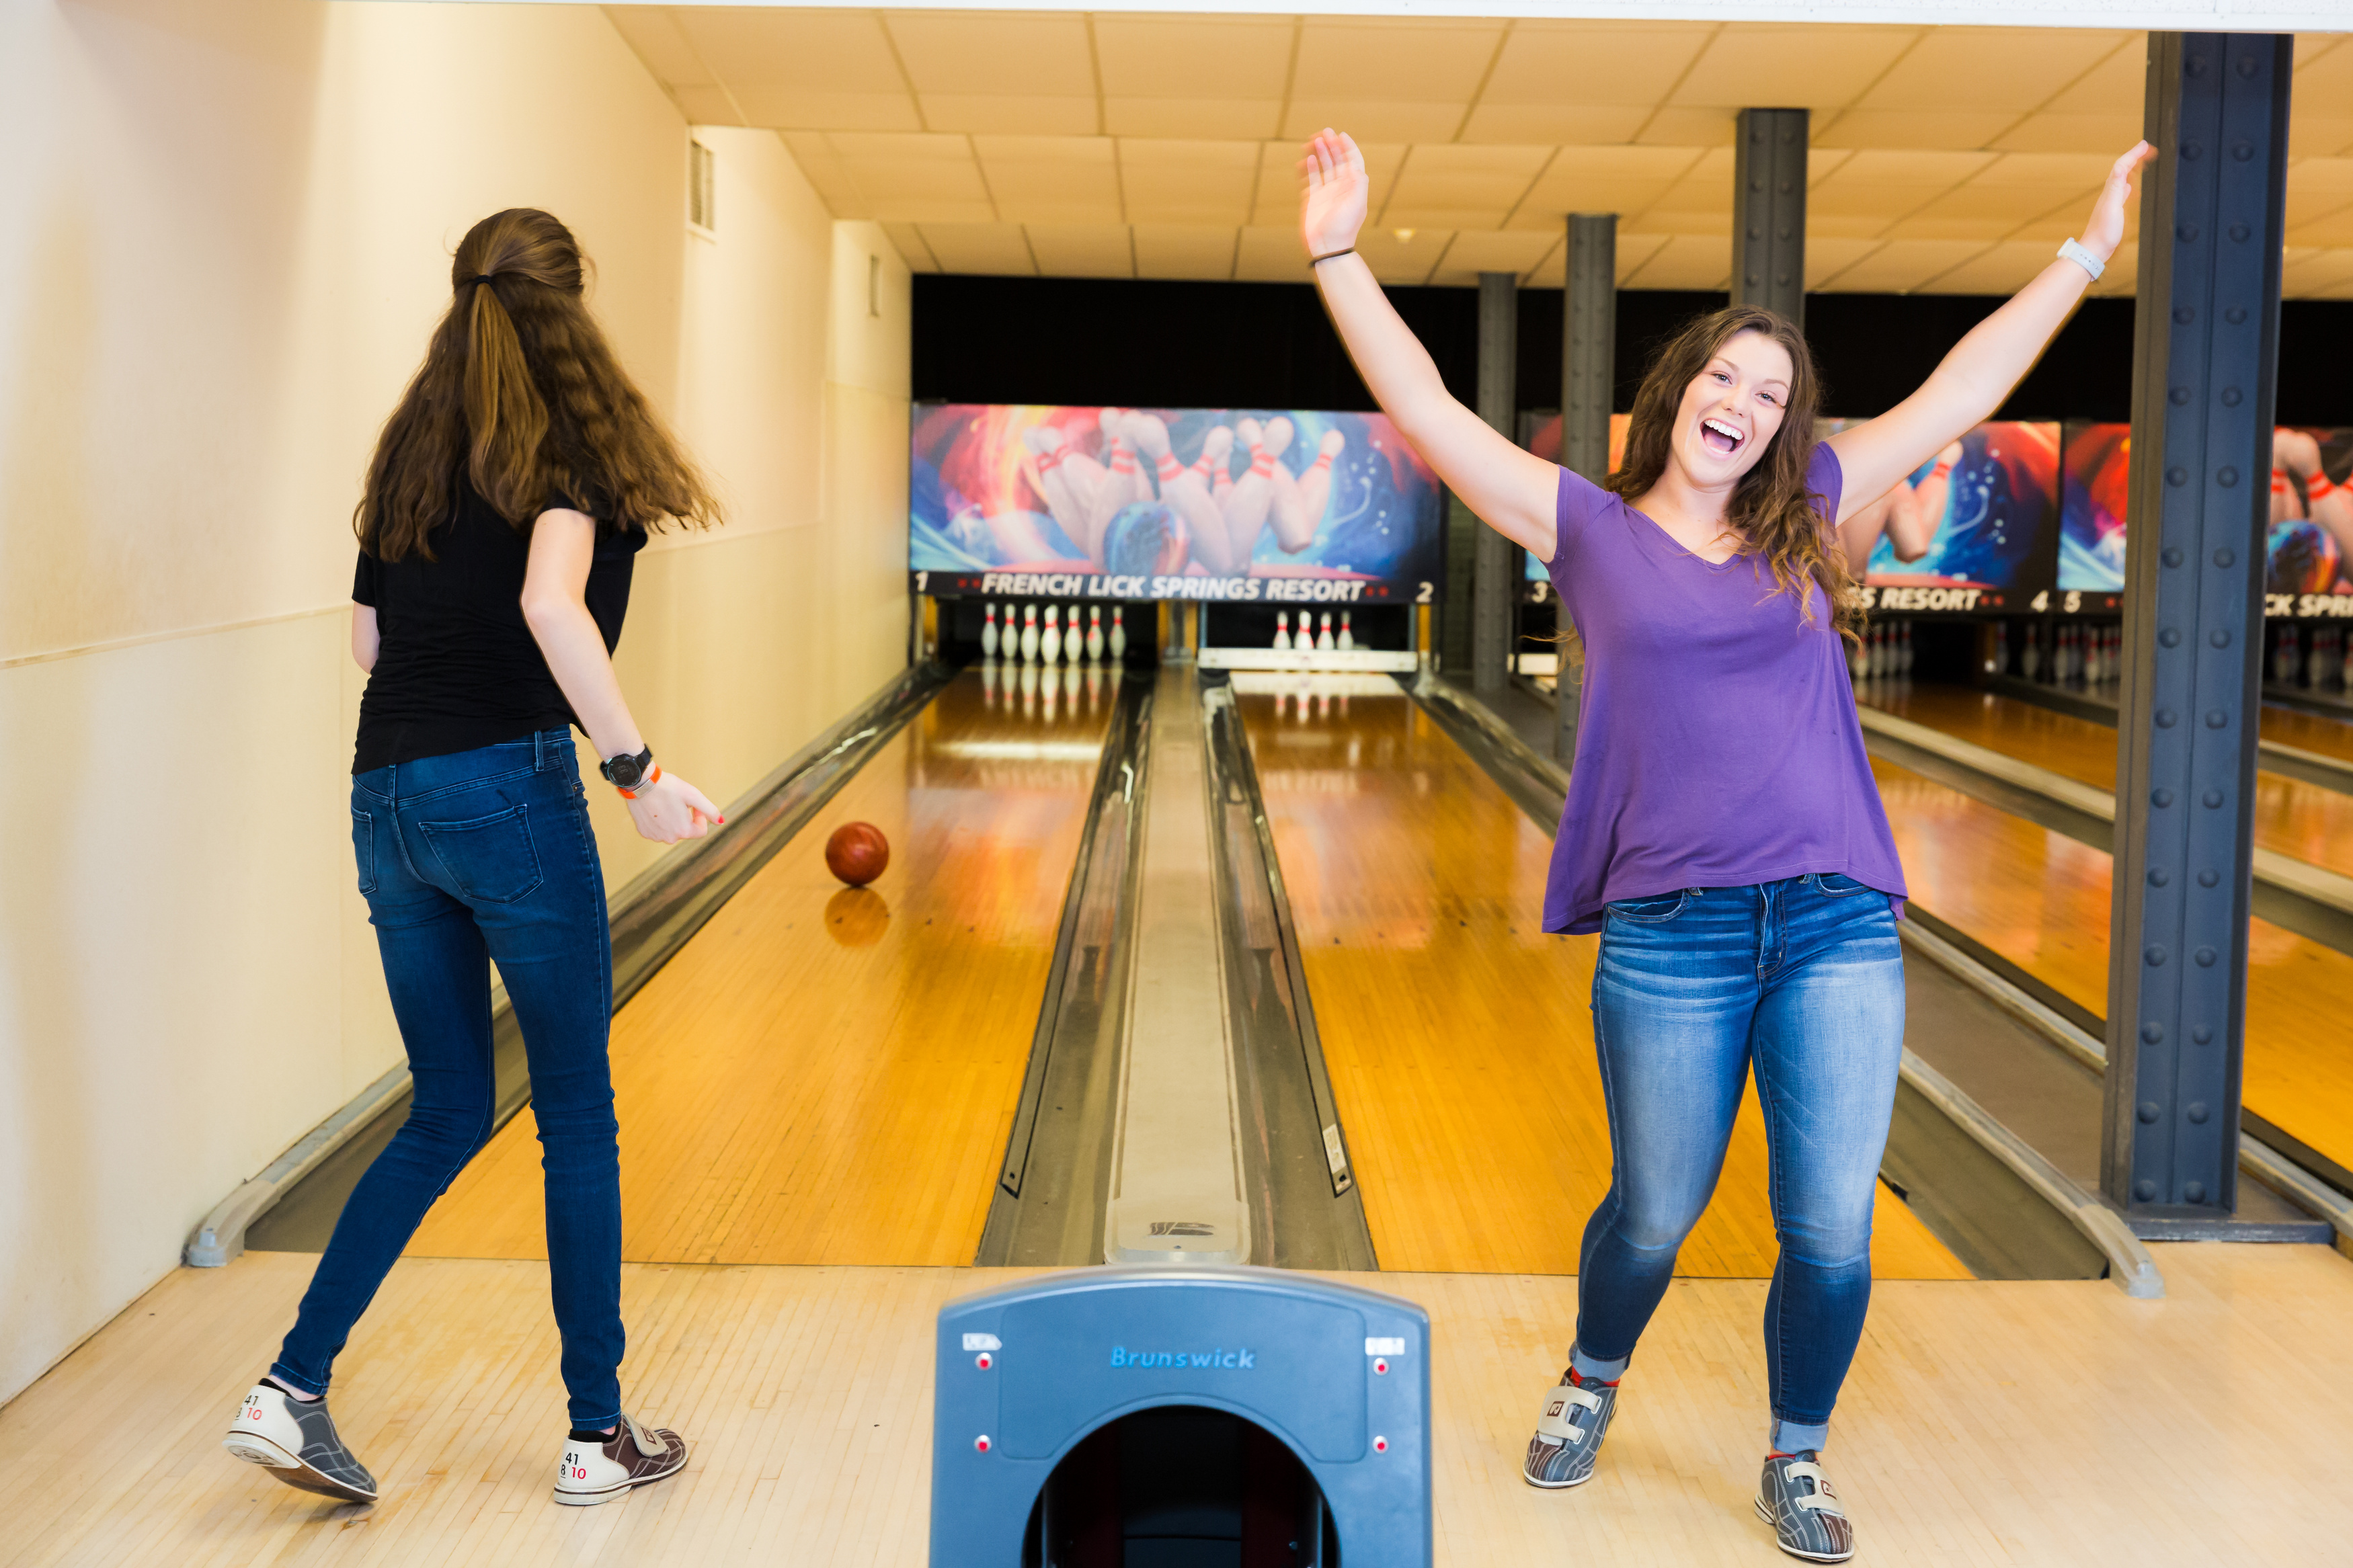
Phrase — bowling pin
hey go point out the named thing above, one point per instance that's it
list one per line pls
(1347, 636)
(1028, 634)
(1070, 686)
(1118, 635)
(1182, 490)
(1858, 657)
(1049, 645)
(1210, 467)
(1283, 631)
(1323, 643)
(1253, 495)
(1094, 686)
(1059, 485)
(1094, 634)
(988, 633)
(1028, 691)
(988, 684)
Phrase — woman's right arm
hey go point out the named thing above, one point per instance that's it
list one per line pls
(365, 640)
(1514, 491)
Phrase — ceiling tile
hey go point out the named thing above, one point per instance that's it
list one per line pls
(2065, 172)
(1903, 264)
(797, 109)
(2335, 229)
(2317, 188)
(1011, 114)
(2003, 69)
(2116, 84)
(1175, 181)
(1271, 255)
(1925, 226)
(706, 106)
(910, 241)
(2118, 281)
(1829, 226)
(1950, 129)
(1474, 253)
(1789, 67)
(1377, 119)
(1674, 127)
(1549, 63)
(1211, 119)
(825, 170)
(1554, 123)
(1684, 262)
(2003, 269)
(1051, 179)
(1827, 255)
(821, 51)
(1167, 57)
(951, 52)
(1402, 61)
(2307, 272)
(1278, 180)
(1635, 251)
(918, 178)
(1605, 179)
(1443, 186)
(2108, 133)
(997, 249)
(653, 31)
(1406, 261)
(1082, 251)
(1169, 250)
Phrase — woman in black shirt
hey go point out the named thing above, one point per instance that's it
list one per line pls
(507, 501)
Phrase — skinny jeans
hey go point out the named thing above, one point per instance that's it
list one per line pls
(1803, 980)
(480, 856)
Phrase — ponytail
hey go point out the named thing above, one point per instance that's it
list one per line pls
(504, 413)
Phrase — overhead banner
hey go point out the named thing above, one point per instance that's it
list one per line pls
(1259, 506)
(1967, 532)
(2309, 551)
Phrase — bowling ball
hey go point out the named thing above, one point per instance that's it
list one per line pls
(857, 852)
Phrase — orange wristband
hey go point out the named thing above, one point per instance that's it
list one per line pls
(652, 778)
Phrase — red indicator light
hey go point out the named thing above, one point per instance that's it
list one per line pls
(984, 1361)
(1380, 1444)
(1382, 1365)
(981, 1443)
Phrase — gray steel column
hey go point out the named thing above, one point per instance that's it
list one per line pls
(1588, 384)
(2205, 354)
(1496, 568)
(1768, 211)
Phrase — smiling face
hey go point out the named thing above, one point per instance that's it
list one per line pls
(1731, 410)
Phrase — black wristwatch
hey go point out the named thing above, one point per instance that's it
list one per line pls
(626, 772)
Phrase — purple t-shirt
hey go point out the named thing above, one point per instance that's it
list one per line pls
(1717, 745)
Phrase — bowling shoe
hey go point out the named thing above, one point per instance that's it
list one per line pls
(1795, 1498)
(633, 1456)
(1568, 1433)
(296, 1442)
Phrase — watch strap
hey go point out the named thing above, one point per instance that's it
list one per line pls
(653, 776)
(2071, 251)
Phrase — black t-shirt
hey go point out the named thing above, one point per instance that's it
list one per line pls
(457, 667)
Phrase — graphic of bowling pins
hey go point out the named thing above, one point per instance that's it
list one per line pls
(1050, 645)
(1283, 631)
(1253, 495)
(1324, 639)
(1347, 635)
(1181, 489)
(1029, 633)
(1316, 490)
(988, 633)
(1094, 634)
(1118, 636)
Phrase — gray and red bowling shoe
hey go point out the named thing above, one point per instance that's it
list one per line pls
(1795, 1498)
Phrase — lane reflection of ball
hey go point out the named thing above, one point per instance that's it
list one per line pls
(857, 852)
(857, 917)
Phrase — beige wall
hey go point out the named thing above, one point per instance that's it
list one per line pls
(227, 228)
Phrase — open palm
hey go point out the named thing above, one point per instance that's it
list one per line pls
(2105, 231)
(1333, 193)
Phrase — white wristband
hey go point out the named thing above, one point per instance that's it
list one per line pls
(2071, 251)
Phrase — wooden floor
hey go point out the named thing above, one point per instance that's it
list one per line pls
(2041, 900)
(2303, 821)
(2310, 732)
(1459, 1037)
(825, 1076)
(1986, 1422)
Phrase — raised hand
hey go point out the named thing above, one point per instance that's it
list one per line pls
(1334, 193)
(2106, 230)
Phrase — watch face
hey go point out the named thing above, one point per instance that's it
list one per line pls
(625, 771)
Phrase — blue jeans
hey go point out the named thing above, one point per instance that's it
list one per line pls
(1803, 978)
(464, 859)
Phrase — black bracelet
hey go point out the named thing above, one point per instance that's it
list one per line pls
(1331, 256)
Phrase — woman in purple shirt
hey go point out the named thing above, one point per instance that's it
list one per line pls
(1721, 831)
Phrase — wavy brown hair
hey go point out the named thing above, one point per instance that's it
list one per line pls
(520, 390)
(1771, 509)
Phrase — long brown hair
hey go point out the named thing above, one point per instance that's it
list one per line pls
(519, 387)
(1771, 509)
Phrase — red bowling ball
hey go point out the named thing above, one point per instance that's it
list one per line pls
(857, 852)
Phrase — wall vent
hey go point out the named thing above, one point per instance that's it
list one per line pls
(701, 205)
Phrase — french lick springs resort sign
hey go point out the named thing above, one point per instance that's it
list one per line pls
(1244, 506)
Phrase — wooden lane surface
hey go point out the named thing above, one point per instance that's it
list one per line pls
(1984, 1423)
(1459, 1037)
(2041, 900)
(2309, 731)
(823, 1076)
(2300, 820)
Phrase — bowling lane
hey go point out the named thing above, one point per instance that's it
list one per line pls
(2301, 821)
(2309, 731)
(2041, 900)
(1458, 1034)
(827, 1076)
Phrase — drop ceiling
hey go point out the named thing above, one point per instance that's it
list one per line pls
(1945, 159)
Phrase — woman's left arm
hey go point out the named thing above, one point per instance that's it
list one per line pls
(1985, 365)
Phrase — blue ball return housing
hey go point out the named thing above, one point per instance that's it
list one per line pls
(1339, 1376)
